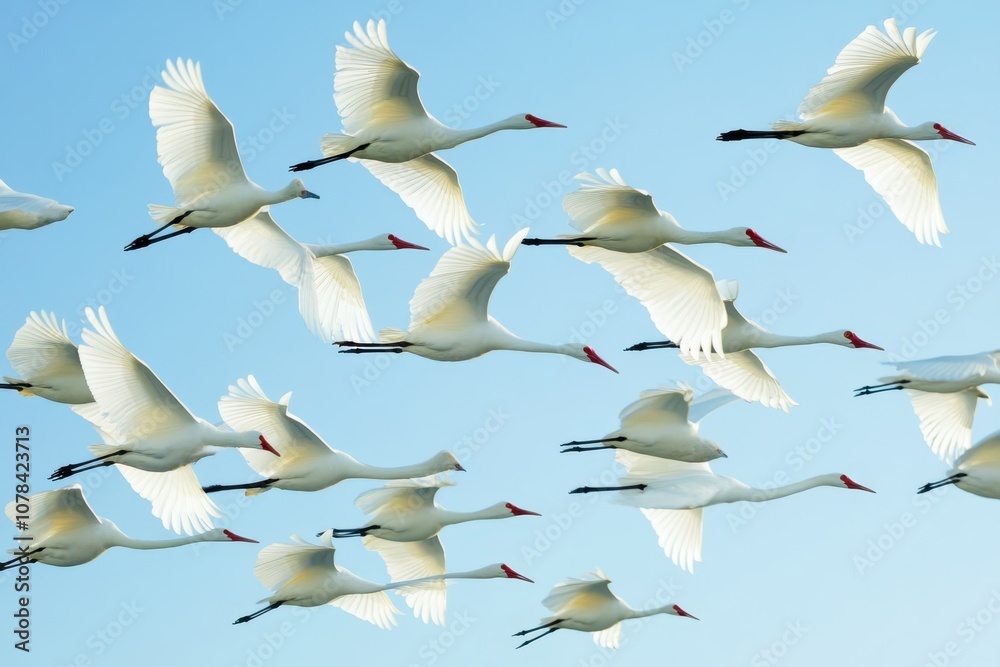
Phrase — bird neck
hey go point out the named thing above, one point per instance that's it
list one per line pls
(471, 574)
(216, 437)
(290, 191)
(461, 136)
(504, 340)
(779, 340)
(642, 613)
(342, 248)
(757, 495)
(449, 518)
(692, 237)
(132, 543)
(364, 471)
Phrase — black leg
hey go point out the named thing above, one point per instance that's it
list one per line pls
(17, 561)
(312, 164)
(535, 639)
(71, 469)
(653, 345)
(578, 242)
(262, 484)
(351, 532)
(356, 350)
(244, 619)
(351, 343)
(540, 627)
(586, 449)
(64, 473)
(16, 386)
(147, 239)
(591, 489)
(944, 482)
(620, 438)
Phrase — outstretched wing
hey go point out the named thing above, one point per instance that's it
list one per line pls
(429, 186)
(416, 560)
(744, 374)
(459, 287)
(680, 294)
(42, 349)
(678, 533)
(865, 70)
(53, 512)
(176, 496)
(946, 420)
(195, 142)
(901, 172)
(952, 368)
(372, 86)
(606, 200)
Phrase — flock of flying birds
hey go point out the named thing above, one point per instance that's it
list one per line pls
(153, 440)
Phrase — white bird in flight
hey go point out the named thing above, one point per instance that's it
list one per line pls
(306, 463)
(846, 112)
(404, 531)
(944, 392)
(387, 128)
(196, 145)
(19, 210)
(148, 432)
(47, 361)
(976, 471)
(448, 311)
(304, 575)
(330, 298)
(664, 423)
(610, 214)
(588, 605)
(64, 531)
(740, 370)
(671, 494)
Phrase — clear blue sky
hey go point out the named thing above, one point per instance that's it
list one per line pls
(782, 578)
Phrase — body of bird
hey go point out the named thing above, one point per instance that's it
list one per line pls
(64, 531)
(945, 392)
(588, 605)
(448, 311)
(48, 362)
(610, 214)
(148, 431)
(976, 471)
(306, 463)
(305, 575)
(663, 423)
(846, 112)
(19, 210)
(672, 495)
(196, 145)
(387, 128)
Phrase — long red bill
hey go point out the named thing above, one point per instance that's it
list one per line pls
(589, 351)
(851, 484)
(238, 538)
(404, 245)
(266, 446)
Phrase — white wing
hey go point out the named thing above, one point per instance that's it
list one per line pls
(376, 608)
(865, 70)
(606, 200)
(458, 289)
(609, 637)
(415, 560)
(588, 594)
(679, 534)
(278, 563)
(744, 374)
(952, 368)
(400, 496)
(129, 394)
(195, 142)
(709, 402)
(41, 349)
(176, 496)
(680, 294)
(260, 240)
(901, 172)
(429, 186)
(247, 408)
(330, 299)
(657, 408)
(53, 512)
(372, 85)
(946, 420)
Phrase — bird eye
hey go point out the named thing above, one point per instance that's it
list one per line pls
(937, 126)
(848, 335)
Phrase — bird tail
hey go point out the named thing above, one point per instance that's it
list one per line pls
(337, 144)
(103, 450)
(390, 335)
(22, 387)
(162, 213)
(256, 492)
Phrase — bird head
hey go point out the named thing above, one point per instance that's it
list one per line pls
(511, 574)
(266, 446)
(529, 122)
(846, 482)
(676, 609)
(444, 461)
(749, 237)
(850, 339)
(399, 244)
(944, 133)
(510, 509)
(586, 353)
(221, 535)
(300, 190)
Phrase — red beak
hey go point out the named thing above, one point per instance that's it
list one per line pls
(851, 484)
(681, 612)
(589, 351)
(948, 134)
(511, 574)
(238, 538)
(539, 122)
(266, 446)
(857, 342)
(517, 511)
(759, 241)
(404, 245)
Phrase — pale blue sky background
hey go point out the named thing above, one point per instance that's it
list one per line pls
(609, 72)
